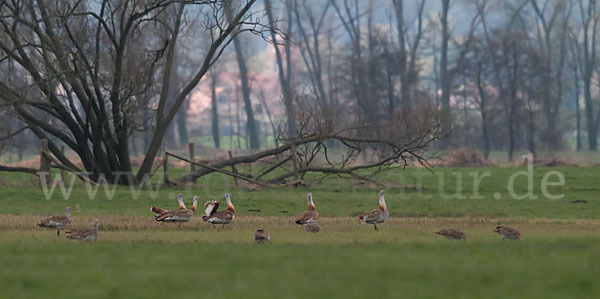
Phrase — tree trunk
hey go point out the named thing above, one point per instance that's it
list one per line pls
(484, 121)
(445, 78)
(283, 81)
(589, 115)
(251, 124)
(513, 104)
(577, 112)
(182, 127)
(214, 109)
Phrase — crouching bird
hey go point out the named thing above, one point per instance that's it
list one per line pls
(262, 236)
(311, 226)
(378, 215)
(57, 222)
(508, 232)
(84, 234)
(311, 213)
(452, 234)
(214, 216)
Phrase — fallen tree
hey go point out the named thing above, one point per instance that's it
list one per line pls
(407, 135)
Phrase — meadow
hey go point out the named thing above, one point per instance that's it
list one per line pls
(136, 257)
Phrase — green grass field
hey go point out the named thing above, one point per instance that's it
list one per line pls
(136, 257)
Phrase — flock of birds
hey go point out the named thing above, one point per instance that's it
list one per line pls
(307, 219)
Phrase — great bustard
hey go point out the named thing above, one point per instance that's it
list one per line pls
(219, 217)
(452, 234)
(158, 210)
(84, 234)
(378, 215)
(57, 222)
(508, 232)
(311, 226)
(180, 215)
(311, 213)
(262, 236)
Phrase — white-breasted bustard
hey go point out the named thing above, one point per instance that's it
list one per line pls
(311, 213)
(214, 216)
(378, 215)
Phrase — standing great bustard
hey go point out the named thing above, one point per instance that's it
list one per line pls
(311, 226)
(219, 217)
(180, 215)
(57, 222)
(262, 236)
(311, 213)
(508, 232)
(84, 234)
(378, 215)
(158, 210)
(452, 234)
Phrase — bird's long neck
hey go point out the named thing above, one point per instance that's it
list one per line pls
(68, 214)
(230, 204)
(180, 200)
(194, 206)
(382, 205)
(311, 204)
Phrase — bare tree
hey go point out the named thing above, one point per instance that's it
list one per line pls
(553, 20)
(284, 78)
(89, 87)
(405, 138)
(448, 69)
(587, 52)
(214, 105)
(408, 53)
(251, 124)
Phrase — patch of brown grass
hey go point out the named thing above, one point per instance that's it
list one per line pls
(551, 161)
(343, 230)
(463, 157)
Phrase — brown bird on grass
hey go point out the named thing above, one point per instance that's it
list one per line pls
(180, 215)
(452, 234)
(311, 213)
(84, 234)
(311, 226)
(262, 236)
(378, 215)
(508, 232)
(219, 217)
(57, 222)
(158, 210)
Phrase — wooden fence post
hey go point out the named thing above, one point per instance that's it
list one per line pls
(165, 164)
(44, 161)
(192, 157)
(233, 169)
